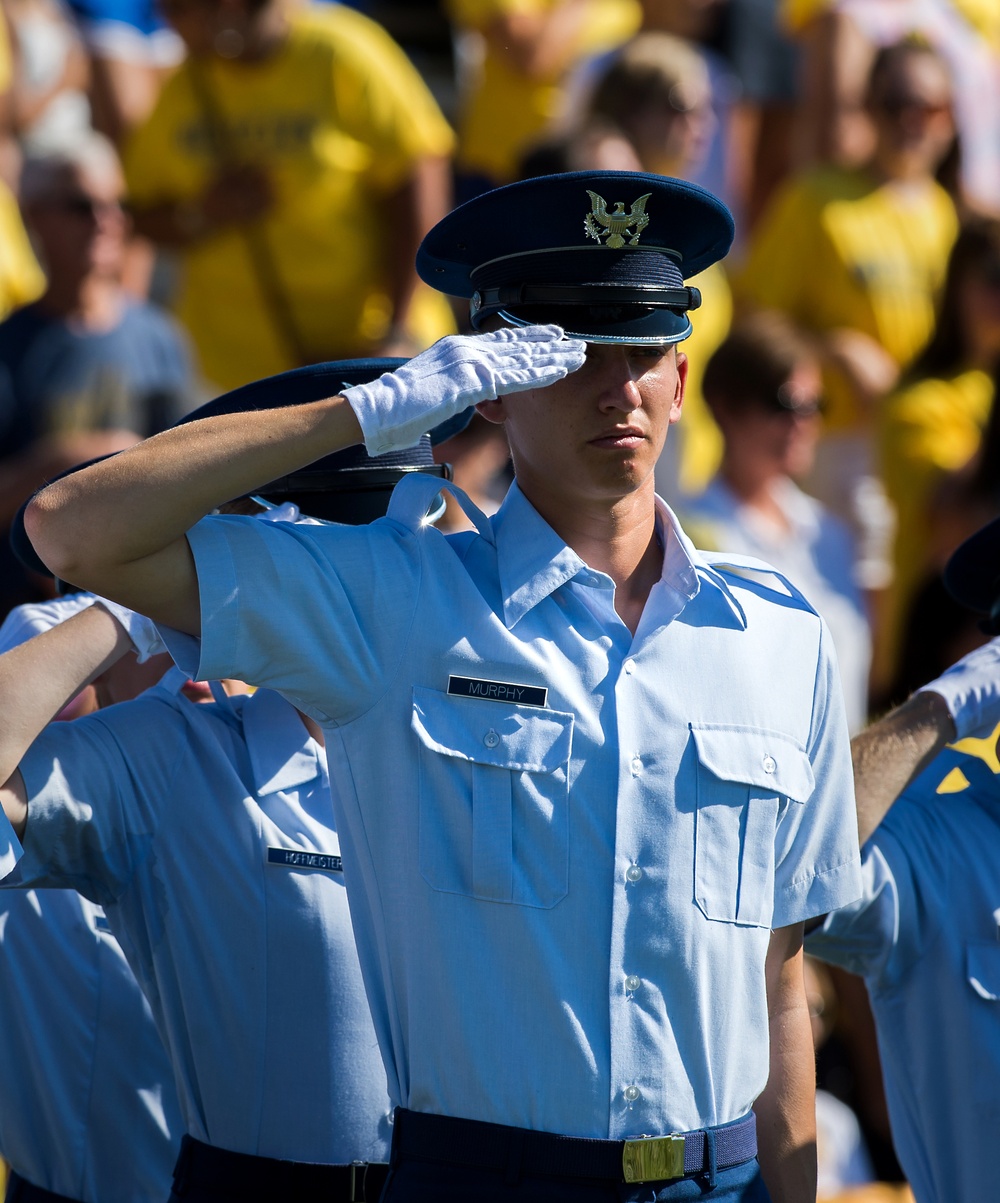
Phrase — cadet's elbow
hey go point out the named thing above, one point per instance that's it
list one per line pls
(54, 535)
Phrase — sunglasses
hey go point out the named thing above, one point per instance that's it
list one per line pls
(896, 106)
(791, 401)
(87, 207)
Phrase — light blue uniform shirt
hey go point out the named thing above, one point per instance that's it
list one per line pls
(562, 908)
(925, 938)
(207, 834)
(87, 1101)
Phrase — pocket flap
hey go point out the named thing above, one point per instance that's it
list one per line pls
(767, 760)
(982, 966)
(500, 734)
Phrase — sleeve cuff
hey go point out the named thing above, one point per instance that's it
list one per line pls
(821, 892)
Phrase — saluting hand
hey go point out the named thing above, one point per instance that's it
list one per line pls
(459, 371)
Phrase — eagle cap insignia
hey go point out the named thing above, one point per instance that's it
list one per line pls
(599, 223)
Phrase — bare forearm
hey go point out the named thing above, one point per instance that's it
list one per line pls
(419, 204)
(39, 677)
(893, 751)
(93, 524)
(786, 1110)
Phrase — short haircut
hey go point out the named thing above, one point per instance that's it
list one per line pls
(755, 360)
(46, 166)
(887, 59)
(652, 69)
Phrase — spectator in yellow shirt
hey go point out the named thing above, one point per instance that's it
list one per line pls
(516, 56)
(934, 424)
(295, 160)
(857, 259)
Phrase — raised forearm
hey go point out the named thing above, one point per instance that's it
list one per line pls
(892, 752)
(89, 528)
(39, 677)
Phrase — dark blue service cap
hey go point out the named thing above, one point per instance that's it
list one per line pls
(604, 254)
(350, 485)
(972, 575)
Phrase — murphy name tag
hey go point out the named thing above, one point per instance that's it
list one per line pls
(293, 859)
(498, 691)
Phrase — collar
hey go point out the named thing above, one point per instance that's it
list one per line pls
(283, 755)
(705, 573)
(533, 561)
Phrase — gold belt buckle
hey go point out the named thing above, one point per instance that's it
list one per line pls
(650, 1158)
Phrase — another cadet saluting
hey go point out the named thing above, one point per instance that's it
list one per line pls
(207, 832)
(88, 1109)
(564, 905)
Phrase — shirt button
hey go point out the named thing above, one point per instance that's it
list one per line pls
(769, 764)
(632, 1093)
(629, 666)
(636, 765)
(633, 873)
(491, 739)
(632, 983)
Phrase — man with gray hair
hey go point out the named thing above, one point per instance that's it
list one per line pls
(86, 369)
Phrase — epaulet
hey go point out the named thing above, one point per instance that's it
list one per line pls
(414, 495)
(749, 570)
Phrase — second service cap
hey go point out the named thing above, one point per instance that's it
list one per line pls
(604, 254)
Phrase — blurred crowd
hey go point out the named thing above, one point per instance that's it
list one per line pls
(195, 194)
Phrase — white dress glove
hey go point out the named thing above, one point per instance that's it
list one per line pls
(140, 629)
(458, 371)
(971, 689)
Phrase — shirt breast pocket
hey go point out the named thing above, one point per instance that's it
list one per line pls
(744, 778)
(494, 798)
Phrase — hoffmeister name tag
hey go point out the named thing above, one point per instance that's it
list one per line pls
(498, 691)
(293, 859)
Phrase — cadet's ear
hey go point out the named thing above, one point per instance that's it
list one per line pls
(679, 387)
(493, 411)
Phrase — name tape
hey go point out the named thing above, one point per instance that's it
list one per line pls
(498, 691)
(293, 859)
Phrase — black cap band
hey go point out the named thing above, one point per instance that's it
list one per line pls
(491, 300)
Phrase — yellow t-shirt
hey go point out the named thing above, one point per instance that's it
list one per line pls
(836, 249)
(506, 110)
(982, 15)
(700, 441)
(337, 117)
(21, 279)
(6, 58)
(926, 430)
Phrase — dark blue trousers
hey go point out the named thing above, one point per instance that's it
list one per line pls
(432, 1182)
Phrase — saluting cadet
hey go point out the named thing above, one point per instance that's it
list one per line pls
(207, 834)
(88, 1110)
(925, 934)
(589, 781)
